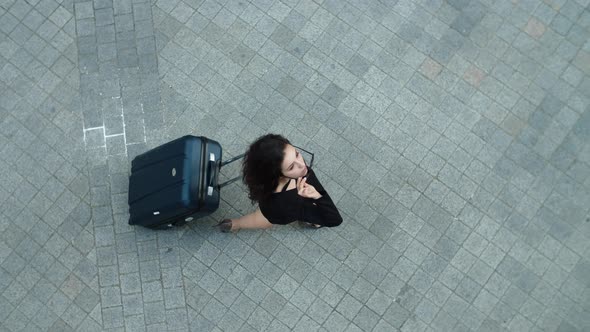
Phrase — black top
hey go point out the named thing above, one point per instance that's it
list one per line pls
(287, 206)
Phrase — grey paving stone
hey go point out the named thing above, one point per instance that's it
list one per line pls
(492, 252)
(113, 317)
(396, 315)
(20, 34)
(174, 298)
(87, 299)
(578, 271)
(60, 16)
(259, 319)
(154, 312)
(84, 10)
(9, 22)
(289, 316)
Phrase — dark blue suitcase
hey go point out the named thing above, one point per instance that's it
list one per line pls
(176, 182)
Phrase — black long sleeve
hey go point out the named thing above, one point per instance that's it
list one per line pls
(321, 211)
(285, 207)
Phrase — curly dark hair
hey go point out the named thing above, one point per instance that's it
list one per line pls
(262, 166)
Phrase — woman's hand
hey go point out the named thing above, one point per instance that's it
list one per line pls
(306, 190)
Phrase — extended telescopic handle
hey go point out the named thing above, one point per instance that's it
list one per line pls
(238, 157)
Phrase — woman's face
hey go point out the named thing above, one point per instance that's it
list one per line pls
(293, 165)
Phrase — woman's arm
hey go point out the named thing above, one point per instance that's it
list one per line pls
(254, 220)
(317, 206)
(321, 211)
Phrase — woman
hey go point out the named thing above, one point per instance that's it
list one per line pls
(285, 189)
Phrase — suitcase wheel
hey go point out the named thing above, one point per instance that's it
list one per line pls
(173, 224)
(163, 226)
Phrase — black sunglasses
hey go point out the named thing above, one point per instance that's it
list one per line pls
(310, 153)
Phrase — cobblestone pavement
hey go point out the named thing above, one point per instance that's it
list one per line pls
(453, 135)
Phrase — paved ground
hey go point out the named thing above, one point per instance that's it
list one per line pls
(453, 135)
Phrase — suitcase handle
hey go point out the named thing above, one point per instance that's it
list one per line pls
(238, 157)
(214, 171)
(215, 166)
